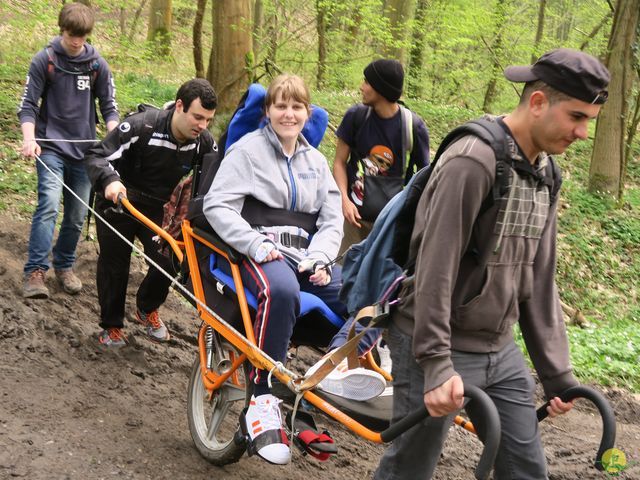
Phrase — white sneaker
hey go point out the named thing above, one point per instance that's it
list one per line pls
(355, 384)
(385, 356)
(262, 422)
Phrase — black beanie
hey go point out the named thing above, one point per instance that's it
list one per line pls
(386, 78)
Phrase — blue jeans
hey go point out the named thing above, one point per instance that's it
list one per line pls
(50, 190)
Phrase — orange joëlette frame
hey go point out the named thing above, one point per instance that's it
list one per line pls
(245, 344)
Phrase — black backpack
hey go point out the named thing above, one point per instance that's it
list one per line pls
(371, 266)
(490, 132)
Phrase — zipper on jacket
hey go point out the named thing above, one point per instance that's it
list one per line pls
(294, 192)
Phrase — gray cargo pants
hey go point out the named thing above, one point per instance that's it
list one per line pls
(503, 375)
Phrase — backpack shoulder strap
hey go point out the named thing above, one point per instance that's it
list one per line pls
(51, 63)
(490, 132)
(360, 116)
(406, 218)
(552, 179)
(407, 135)
(149, 118)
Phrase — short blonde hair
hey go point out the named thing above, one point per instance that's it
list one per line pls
(290, 87)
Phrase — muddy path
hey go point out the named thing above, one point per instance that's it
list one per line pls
(71, 410)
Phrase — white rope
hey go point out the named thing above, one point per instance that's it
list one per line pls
(64, 140)
(174, 282)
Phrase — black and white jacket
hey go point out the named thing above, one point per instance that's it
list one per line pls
(148, 160)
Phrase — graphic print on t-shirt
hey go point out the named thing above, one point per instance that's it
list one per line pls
(378, 162)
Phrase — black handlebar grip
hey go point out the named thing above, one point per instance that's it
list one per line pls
(608, 439)
(492, 435)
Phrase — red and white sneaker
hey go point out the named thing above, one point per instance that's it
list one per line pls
(261, 423)
(356, 384)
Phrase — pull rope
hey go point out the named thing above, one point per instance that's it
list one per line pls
(64, 140)
(174, 282)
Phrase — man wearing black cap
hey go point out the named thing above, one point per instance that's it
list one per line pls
(477, 274)
(380, 145)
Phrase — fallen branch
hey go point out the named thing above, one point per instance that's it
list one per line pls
(574, 316)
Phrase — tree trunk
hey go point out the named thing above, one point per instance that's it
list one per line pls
(399, 12)
(321, 26)
(159, 31)
(607, 162)
(567, 20)
(272, 49)
(496, 52)
(197, 38)
(123, 20)
(416, 52)
(595, 30)
(136, 18)
(258, 21)
(231, 56)
(539, 30)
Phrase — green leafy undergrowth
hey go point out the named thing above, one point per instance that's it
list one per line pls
(609, 353)
(17, 180)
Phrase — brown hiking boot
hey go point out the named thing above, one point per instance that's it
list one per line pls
(69, 281)
(34, 286)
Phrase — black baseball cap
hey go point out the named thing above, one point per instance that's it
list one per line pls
(572, 72)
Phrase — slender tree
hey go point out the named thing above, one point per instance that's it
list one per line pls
(399, 13)
(231, 56)
(258, 22)
(496, 51)
(416, 52)
(539, 30)
(160, 16)
(607, 170)
(197, 38)
(321, 27)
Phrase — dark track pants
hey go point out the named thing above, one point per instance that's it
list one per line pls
(114, 261)
(277, 286)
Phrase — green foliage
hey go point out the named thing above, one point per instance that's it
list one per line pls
(17, 179)
(134, 89)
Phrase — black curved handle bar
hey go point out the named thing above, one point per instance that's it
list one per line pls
(492, 435)
(606, 412)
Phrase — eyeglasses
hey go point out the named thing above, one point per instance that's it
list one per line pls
(600, 97)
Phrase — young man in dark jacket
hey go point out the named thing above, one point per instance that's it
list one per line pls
(68, 75)
(476, 275)
(144, 159)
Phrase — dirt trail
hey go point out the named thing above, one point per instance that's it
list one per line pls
(69, 409)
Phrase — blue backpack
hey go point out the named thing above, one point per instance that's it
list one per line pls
(371, 266)
(249, 116)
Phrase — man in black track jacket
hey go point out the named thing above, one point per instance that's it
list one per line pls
(144, 159)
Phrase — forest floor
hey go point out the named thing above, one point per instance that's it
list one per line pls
(72, 410)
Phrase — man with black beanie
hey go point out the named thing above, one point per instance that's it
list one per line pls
(380, 145)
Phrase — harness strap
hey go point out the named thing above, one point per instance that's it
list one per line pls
(378, 317)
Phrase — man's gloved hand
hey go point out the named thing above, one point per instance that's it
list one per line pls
(321, 275)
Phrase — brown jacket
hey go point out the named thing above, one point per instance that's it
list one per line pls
(477, 276)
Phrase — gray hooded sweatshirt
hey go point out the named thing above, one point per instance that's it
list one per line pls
(256, 166)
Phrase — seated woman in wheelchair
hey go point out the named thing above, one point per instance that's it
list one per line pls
(274, 171)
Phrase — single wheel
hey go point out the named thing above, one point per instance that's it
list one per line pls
(213, 419)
